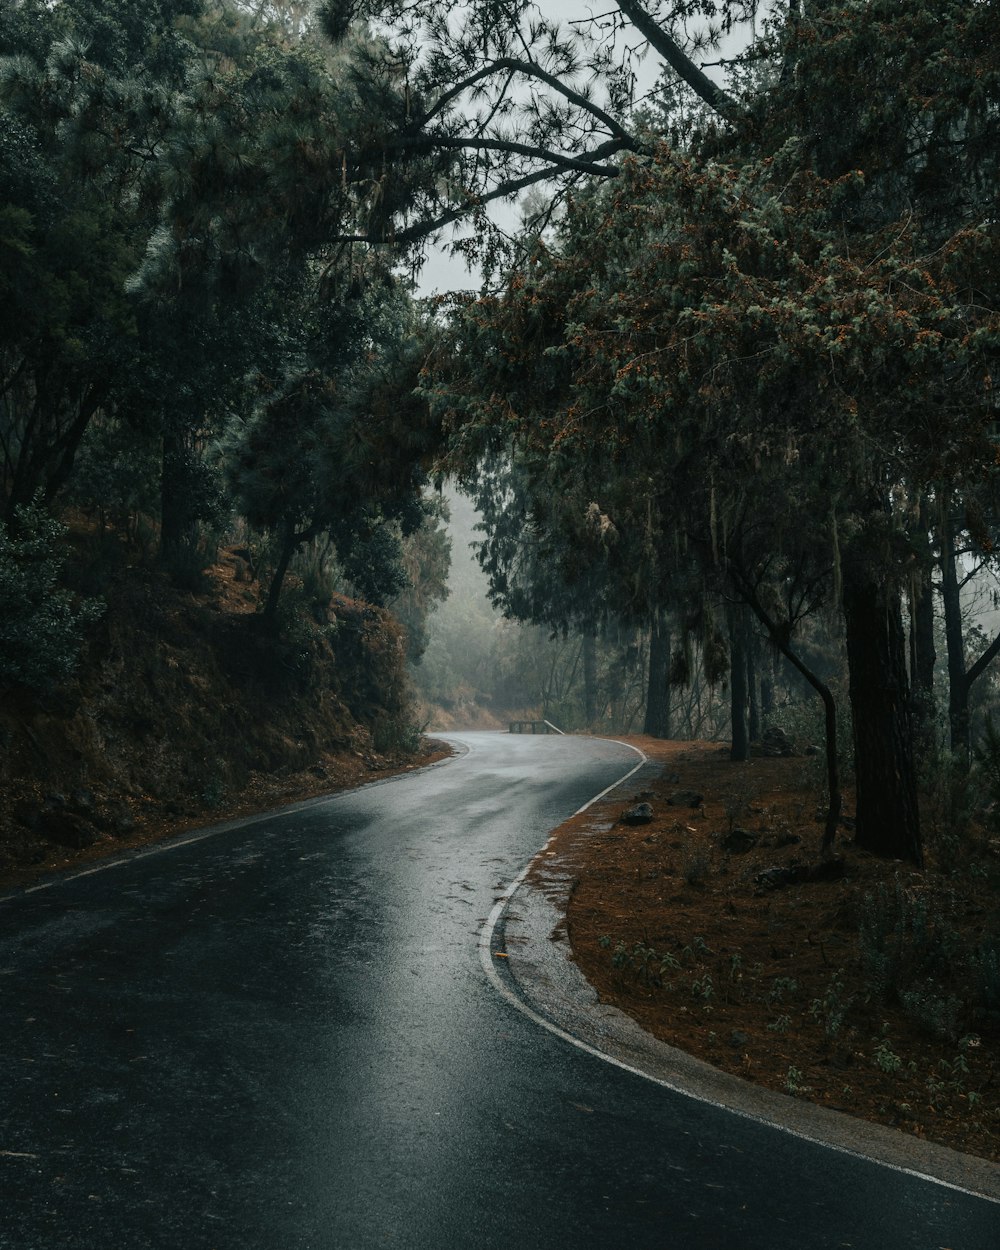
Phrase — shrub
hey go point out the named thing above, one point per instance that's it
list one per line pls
(41, 623)
(397, 735)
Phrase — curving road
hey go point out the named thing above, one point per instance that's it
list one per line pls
(279, 1035)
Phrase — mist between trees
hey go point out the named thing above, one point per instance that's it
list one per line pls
(481, 669)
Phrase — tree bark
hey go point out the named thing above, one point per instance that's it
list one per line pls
(958, 687)
(740, 749)
(767, 685)
(923, 656)
(289, 541)
(888, 821)
(657, 722)
(679, 62)
(589, 677)
(753, 706)
(960, 679)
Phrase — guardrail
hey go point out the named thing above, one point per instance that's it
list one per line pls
(534, 727)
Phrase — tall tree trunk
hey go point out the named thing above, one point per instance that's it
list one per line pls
(779, 637)
(68, 443)
(289, 541)
(922, 653)
(753, 706)
(960, 679)
(590, 676)
(657, 723)
(888, 821)
(740, 749)
(767, 684)
(958, 687)
(923, 656)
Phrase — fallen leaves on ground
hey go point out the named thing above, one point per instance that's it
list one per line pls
(697, 925)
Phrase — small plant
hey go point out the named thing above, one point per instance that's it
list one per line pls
(949, 1080)
(736, 804)
(781, 986)
(780, 1024)
(793, 1082)
(41, 623)
(986, 963)
(397, 734)
(831, 1009)
(213, 793)
(886, 1059)
(899, 941)
(650, 966)
(937, 1015)
(189, 561)
(702, 987)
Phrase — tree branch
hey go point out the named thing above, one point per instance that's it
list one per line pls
(679, 62)
(556, 160)
(511, 64)
(780, 638)
(424, 229)
(987, 658)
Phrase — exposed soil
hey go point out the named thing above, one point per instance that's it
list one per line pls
(768, 977)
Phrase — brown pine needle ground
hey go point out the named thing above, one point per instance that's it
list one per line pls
(774, 981)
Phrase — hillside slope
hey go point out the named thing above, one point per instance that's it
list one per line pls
(187, 708)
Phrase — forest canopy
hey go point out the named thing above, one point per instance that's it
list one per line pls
(732, 380)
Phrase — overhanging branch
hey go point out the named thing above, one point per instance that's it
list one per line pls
(557, 161)
(425, 229)
(507, 64)
(679, 62)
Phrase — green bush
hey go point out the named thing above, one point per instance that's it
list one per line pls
(41, 623)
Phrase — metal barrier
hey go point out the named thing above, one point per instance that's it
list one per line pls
(534, 727)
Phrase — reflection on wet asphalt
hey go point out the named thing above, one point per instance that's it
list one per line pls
(280, 1036)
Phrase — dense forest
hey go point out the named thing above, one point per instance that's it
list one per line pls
(725, 402)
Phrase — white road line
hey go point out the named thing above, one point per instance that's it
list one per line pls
(486, 938)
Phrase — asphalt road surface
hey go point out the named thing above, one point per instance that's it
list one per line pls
(279, 1035)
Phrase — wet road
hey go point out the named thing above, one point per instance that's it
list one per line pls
(280, 1036)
